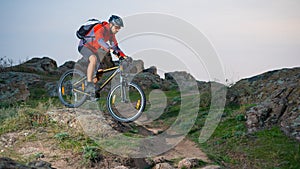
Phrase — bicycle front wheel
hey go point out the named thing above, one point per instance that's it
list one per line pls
(71, 88)
(126, 104)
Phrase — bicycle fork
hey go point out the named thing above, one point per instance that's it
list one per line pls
(124, 85)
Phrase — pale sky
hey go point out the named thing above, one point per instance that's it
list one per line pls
(249, 36)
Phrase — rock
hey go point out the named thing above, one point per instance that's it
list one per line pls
(121, 167)
(15, 85)
(181, 79)
(276, 110)
(188, 163)
(43, 65)
(258, 88)
(66, 66)
(9, 163)
(277, 99)
(138, 66)
(148, 80)
(40, 165)
(66, 117)
(51, 88)
(163, 166)
(152, 70)
(179, 76)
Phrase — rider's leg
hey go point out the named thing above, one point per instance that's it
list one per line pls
(90, 58)
(89, 73)
(91, 67)
(102, 55)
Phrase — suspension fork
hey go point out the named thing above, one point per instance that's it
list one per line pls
(124, 85)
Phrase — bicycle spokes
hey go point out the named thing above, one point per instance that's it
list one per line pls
(71, 88)
(126, 103)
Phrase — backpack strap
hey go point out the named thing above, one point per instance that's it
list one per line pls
(106, 31)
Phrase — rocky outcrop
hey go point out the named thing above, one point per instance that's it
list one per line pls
(17, 83)
(258, 88)
(43, 65)
(14, 86)
(66, 66)
(275, 95)
(278, 110)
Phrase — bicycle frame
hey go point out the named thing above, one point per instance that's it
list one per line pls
(116, 69)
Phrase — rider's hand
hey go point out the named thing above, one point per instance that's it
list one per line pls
(116, 53)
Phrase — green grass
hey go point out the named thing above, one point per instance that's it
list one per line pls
(7, 112)
(230, 145)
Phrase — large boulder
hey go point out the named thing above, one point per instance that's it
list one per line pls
(43, 65)
(66, 66)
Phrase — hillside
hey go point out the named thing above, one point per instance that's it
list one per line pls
(35, 127)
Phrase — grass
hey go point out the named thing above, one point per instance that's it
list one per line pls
(230, 145)
(32, 116)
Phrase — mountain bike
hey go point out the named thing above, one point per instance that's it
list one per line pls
(125, 101)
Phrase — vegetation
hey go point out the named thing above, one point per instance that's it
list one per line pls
(230, 145)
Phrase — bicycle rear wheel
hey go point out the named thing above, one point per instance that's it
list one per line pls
(71, 88)
(129, 107)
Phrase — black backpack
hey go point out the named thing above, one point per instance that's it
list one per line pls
(85, 28)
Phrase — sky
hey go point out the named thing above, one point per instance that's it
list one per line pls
(249, 37)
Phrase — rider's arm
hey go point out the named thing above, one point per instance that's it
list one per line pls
(103, 44)
(115, 47)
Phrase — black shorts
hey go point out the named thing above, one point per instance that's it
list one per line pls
(104, 59)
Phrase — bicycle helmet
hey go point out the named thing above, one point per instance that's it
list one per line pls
(116, 20)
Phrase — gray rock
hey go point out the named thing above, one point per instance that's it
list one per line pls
(188, 163)
(43, 65)
(163, 166)
(15, 85)
(9, 163)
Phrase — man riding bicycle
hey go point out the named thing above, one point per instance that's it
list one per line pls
(96, 48)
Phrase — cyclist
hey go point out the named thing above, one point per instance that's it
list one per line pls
(96, 48)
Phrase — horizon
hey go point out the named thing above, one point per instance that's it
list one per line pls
(163, 76)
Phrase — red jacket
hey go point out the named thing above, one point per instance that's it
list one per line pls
(99, 37)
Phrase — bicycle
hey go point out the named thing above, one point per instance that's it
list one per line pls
(125, 101)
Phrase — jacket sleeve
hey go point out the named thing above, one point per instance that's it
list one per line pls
(115, 47)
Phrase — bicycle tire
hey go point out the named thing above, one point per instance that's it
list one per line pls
(66, 93)
(133, 109)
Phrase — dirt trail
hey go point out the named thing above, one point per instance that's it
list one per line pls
(46, 148)
(185, 149)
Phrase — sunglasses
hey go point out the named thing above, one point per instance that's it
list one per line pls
(117, 27)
